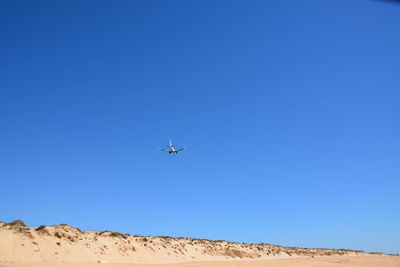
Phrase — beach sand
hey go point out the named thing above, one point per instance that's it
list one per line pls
(333, 261)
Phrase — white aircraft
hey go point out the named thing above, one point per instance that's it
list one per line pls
(171, 149)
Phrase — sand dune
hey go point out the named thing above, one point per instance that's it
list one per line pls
(65, 246)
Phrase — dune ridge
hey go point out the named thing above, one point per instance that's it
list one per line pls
(64, 243)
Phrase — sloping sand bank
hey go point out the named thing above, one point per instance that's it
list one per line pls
(66, 246)
(326, 261)
(63, 243)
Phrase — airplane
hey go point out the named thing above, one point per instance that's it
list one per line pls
(171, 149)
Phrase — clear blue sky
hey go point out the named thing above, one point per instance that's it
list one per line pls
(289, 110)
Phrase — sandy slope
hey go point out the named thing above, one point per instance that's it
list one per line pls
(21, 245)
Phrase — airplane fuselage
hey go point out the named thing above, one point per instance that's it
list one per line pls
(171, 149)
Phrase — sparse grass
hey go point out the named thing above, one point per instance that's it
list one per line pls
(57, 234)
(16, 223)
(233, 253)
(40, 228)
(115, 234)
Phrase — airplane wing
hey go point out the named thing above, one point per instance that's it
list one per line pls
(180, 149)
(162, 149)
